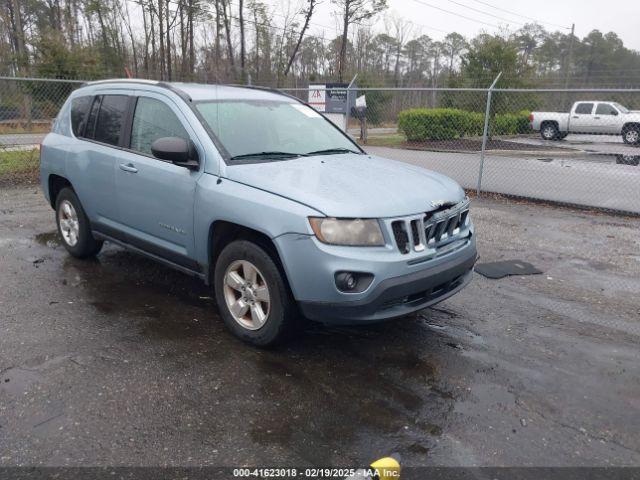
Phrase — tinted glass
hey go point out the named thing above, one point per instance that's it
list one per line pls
(605, 109)
(110, 118)
(252, 126)
(584, 108)
(153, 119)
(93, 114)
(79, 113)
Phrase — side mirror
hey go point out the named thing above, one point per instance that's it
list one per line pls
(177, 150)
(614, 113)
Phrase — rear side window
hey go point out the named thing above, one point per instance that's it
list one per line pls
(153, 119)
(79, 114)
(584, 108)
(111, 116)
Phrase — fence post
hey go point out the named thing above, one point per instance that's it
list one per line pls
(348, 112)
(485, 132)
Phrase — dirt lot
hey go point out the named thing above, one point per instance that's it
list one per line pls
(122, 361)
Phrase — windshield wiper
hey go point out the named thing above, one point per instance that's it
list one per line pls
(333, 151)
(273, 154)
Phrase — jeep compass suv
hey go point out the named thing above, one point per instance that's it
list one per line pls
(261, 197)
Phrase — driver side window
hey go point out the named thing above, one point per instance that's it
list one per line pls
(153, 119)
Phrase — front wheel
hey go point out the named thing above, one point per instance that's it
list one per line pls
(252, 295)
(631, 135)
(74, 227)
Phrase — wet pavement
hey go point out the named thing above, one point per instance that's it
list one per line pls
(120, 361)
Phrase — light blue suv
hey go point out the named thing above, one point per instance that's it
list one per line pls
(260, 196)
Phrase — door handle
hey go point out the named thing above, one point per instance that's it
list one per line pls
(597, 118)
(575, 116)
(129, 167)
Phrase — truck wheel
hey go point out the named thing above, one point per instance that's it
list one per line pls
(252, 295)
(631, 135)
(562, 135)
(74, 227)
(549, 131)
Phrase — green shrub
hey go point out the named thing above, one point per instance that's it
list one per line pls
(511, 123)
(421, 124)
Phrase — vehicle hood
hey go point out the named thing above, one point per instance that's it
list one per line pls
(351, 185)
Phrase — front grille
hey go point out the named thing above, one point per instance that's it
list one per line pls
(432, 231)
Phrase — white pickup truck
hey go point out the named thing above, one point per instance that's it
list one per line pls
(591, 117)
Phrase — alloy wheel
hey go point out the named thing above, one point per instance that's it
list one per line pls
(68, 221)
(246, 294)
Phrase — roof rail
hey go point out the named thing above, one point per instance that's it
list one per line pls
(265, 89)
(124, 80)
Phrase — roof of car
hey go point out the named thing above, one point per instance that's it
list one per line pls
(200, 91)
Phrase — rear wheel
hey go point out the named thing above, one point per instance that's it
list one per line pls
(549, 131)
(252, 295)
(631, 135)
(74, 227)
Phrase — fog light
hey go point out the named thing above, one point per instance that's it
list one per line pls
(346, 281)
(353, 282)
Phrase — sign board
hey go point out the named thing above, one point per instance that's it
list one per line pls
(361, 102)
(331, 97)
(317, 97)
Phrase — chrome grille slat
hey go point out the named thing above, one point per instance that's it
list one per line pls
(432, 231)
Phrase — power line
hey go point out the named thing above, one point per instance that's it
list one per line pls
(456, 14)
(485, 13)
(520, 15)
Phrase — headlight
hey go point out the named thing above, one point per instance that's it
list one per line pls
(352, 232)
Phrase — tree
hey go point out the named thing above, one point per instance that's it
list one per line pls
(308, 13)
(454, 44)
(352, 12)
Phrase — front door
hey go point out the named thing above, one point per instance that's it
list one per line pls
(606, 118)
(156, 197)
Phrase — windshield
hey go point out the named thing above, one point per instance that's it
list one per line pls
(276, 129)
(620, 107)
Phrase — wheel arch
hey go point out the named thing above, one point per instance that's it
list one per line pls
(222, 233)
(628, 125)
(55, 183)
(550, 122)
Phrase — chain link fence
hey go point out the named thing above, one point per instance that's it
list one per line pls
(481, 138)
(484, 139)
(27, 110)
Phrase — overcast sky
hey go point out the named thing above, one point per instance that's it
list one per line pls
(622, 17)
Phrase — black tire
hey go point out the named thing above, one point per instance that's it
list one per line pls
(86, 245)
(549, 131)
(282, 316)
(631, 135)
(563, 135)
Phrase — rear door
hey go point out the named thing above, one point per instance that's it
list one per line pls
(92, 159)
(606, 118)
(582, 118)
(156, 197)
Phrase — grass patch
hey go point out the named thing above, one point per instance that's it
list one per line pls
(18, 161)
(390, 140)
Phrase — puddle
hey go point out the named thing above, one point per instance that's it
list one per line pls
(49, 239)
(17, 381)
(455, 332)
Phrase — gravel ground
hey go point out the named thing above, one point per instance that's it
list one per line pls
(119, 361)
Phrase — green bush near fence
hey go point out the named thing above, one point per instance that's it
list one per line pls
(422, 124)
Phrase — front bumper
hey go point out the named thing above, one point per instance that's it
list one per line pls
(400, 287)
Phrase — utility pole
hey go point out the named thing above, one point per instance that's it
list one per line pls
(568, 62)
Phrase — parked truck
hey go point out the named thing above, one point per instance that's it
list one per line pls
(589, 117)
